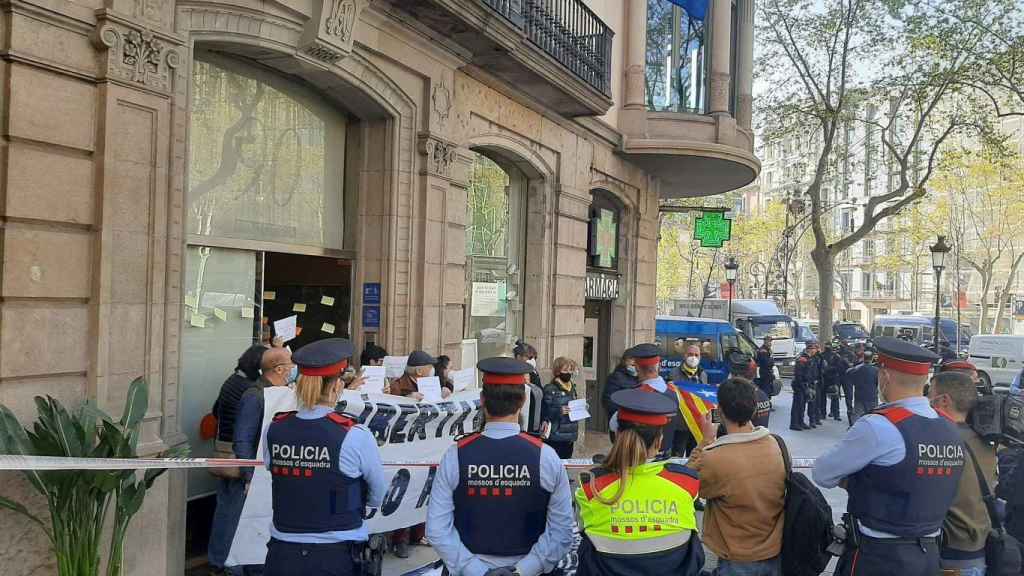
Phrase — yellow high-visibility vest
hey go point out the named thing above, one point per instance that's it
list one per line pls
(654, 513)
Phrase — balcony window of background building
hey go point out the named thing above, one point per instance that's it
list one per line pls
(677, 59)
(495, 253)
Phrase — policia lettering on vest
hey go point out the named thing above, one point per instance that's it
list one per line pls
(637, 514)
(901, 465)
(325, 469)
(500, 503)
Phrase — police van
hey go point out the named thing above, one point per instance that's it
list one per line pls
(998, 357)
(674, 334)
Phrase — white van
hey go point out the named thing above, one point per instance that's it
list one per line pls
(998, 357)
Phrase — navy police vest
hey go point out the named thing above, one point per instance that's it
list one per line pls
(910, 499)
(668, 431)
(500, 507)
(310, 494)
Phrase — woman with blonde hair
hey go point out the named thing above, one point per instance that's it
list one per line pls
(558, 430)
(325, 469)
(637, 515)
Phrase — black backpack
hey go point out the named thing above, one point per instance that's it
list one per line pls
(807, 530)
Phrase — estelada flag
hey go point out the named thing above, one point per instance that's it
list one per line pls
(696, 400)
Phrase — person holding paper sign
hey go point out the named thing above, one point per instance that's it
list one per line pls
(500, 504)
(558, 429)
(325, 469)
(420, 365)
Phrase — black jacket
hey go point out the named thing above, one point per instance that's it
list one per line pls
(619, 379)
(806, 372)
(556, 398)
(766, 367)
(536, 401)
(225, 409)
(864, 379)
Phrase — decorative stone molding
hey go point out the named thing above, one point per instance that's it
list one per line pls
(136, 55)
(439, 153)
(441, 104)
(328, 34)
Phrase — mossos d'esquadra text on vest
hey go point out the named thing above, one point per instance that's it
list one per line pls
(300, 456)
(949, 454)
(506, 475)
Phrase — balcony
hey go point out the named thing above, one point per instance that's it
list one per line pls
(557, 51)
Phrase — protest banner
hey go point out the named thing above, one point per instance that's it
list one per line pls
(406, 431)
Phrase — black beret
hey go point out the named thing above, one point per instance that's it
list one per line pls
(328, 357)
(420, 358)
(643, 351)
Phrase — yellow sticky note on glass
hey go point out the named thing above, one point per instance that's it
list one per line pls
(191, 301)
(269, 295)
(299, 307)
(220, 314)
(248, 312)
(197, 320)
(327, 300)
(327, 327)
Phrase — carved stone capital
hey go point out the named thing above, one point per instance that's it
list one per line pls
(330, 30)
(136, 55)
(439, 155)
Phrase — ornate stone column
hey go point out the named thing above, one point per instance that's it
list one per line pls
(745, 63)
(721, 55)
(633, 118)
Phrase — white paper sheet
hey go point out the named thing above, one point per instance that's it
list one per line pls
(463, 379)
(374, 383)
(285, 328)
(430, 388)
(395, 365)
(578, 410)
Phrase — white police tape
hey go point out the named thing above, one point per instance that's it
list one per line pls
(16, 462)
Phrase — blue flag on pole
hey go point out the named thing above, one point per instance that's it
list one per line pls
(697, 9)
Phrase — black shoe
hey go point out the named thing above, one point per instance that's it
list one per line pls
(402, 549)
(797, 428)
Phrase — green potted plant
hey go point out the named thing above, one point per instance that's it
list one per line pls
(79, 500)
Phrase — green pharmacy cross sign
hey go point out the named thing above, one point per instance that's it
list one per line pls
(712, 229)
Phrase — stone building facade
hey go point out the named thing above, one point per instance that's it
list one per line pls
(173, 172)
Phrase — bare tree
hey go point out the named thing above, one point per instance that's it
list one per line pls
(844, 58)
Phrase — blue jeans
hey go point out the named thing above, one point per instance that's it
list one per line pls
(973, 571)
(230, 498)
(760, 568)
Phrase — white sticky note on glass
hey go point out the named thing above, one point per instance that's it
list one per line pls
(463, 379)
(327, 300)
(248, 312)
(285, 328)
(430, 388)
(190, 300)
(197, 320)
(327, 327)
(269, 295)
(395, 365)
(220, 314)
(578, 410)
(374, 383)
(298, 307)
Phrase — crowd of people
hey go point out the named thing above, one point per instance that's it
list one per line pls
(920, 480)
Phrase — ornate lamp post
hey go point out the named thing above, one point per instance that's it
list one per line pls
(939, 251)
(731, 267)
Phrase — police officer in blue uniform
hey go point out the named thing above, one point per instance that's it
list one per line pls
(648, 363)
(325, 471)
(500, 504)
(901, 465)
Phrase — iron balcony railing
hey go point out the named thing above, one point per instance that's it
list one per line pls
(568, 31)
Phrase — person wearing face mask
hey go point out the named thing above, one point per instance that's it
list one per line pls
(527, 353)
(316, 457)
(648, 363)
(558, 430)
(690, 369)
(901, 466)
(624, 377)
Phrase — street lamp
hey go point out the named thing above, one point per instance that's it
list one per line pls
(731, 266)
(939, 251)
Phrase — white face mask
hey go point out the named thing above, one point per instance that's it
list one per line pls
(532, 362)
(692, 361)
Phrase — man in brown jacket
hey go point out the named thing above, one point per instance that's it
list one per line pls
(743, 479)
(967, 524)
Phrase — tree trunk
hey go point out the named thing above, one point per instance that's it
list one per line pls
(824, 262)
(986, 285)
